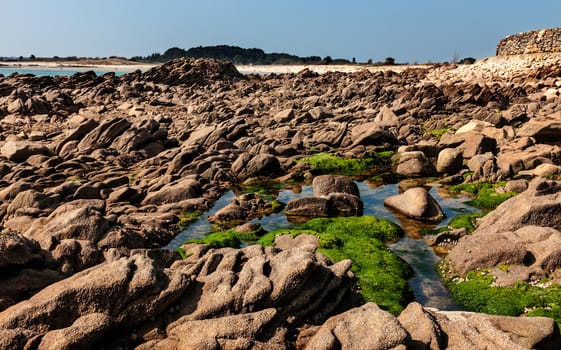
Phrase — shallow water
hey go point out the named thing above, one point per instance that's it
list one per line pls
(53, 72)
(426, 284)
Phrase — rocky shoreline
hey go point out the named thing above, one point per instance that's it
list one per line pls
(96, 171)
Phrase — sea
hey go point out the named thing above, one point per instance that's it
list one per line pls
(41, 72)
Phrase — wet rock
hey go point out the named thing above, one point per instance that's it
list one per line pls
(416, 203)
(326, 184)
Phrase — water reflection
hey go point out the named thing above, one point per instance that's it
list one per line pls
(427, 286)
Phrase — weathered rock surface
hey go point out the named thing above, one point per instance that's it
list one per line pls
(95, 167)
(416, 203)
(333, 196)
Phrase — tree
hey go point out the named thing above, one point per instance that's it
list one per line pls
(32, 57)
(354, 60)
(369, 61)
(327, 60)
(390, 61)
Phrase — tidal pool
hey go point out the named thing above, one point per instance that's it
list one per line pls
(426, 284)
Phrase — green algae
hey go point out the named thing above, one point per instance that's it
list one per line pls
(485, 196)
(477, 293)
(381, 276)
(328, 163)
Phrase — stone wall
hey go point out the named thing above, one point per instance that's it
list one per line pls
(546, 40)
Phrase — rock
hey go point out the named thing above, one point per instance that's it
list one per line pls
(219, 333)
(103, 135)
(449, 161)
(16, 249)
(543, 130)
(84, 332)
(539, 205)
(19, 151)
(16, 106)
(174, 192)
(486, 251)
(365, 327)
(424, 331)
(323, 185)
(371, 133)
(466, 330)
(308, 206)
(259, 165)
(128, 291)
(284, 116)
(79, 219)
(416, 203)
(29, 199)
(415, 164)
(478, 144)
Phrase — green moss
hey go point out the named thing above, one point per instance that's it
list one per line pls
(466, 221)
(381, 275)
(476, 293)
(186, 218)
(229, 238)
(327, 163)
(485, 195)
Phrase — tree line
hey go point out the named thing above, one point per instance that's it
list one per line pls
(237, 55)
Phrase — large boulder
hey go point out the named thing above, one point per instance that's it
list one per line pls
(127, 291)
(415, 164)
(80, 219)
(449, 161)
(333, 196)
(19, 151)
(539, 205)
(174, 192)
(326, 184)
(365, 327)
(416, 203)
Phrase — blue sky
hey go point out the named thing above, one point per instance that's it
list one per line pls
(409, 31)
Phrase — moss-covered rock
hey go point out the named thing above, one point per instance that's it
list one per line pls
(327, 163)
(381, 275)
(485, 195)
(476, 292)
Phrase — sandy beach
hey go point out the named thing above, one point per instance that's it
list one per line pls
(123, 66)
(120, 66)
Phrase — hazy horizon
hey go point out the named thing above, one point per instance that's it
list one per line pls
(409, 31)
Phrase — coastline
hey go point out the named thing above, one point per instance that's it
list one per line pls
(86, 66)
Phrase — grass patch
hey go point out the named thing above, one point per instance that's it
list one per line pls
(484, 194)
(466, 221)
(476, 293)
(327, 163)
(381, 275)
(229, 238)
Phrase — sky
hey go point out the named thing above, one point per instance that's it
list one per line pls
(409, 31)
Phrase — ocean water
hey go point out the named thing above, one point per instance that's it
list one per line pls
(41, 72)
